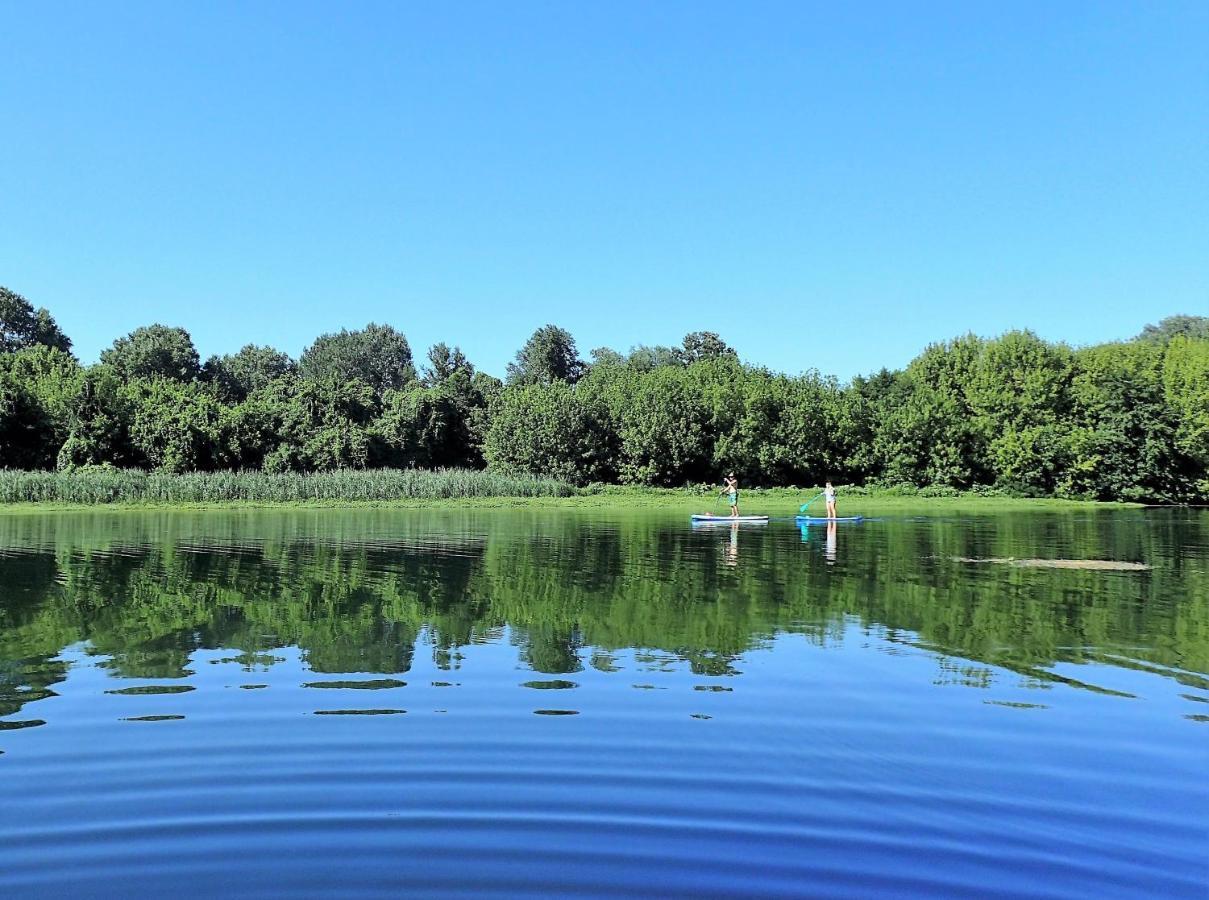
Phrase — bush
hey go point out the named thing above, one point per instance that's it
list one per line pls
(939, 490)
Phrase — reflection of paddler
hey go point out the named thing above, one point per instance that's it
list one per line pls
(829, 550)
(732, 547)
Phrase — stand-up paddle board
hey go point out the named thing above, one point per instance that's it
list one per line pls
(821, 520)
(722, 520)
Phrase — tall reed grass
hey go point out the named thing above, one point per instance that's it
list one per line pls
(105, 485)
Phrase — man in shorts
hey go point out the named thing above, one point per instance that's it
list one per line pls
(732, 493)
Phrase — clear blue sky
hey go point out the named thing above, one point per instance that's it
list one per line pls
(827, 185)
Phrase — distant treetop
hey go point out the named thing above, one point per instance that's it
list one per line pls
(548, 356)
(239, 374)
(377, 354)
(696, 347)
(1173, 326)
(444, 362)
(23, 326)
(156, 351)
(699, 345)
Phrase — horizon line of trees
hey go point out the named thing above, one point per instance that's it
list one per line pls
(1124, 420)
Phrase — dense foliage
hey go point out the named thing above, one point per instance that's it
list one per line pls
(1127, 420)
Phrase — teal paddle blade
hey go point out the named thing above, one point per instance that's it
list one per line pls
(806, 505)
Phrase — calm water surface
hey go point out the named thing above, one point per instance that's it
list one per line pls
(517, 702)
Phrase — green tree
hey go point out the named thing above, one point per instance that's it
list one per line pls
(1122, 442)
(1195, 327)
(377, 355)
(930, 436)
(175, 426)
(156, 351)
(865, 403)
(99, 422)
(644, 358)
(255, 428)
(484, 389)
(701, 345)
(1186, 390)
(306, 426)
(40, 383)
(427, 427)
(788, 431)
(1019, 396)
(606, 356)
(548, 356)
(444, 362)
(24, 429)
(663, 430)
(440, 422)
(23, 326)
(546, 429)
(237, 375)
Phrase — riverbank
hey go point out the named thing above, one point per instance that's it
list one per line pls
(458, 489)
(858, 501)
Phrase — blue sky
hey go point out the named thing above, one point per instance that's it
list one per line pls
(827, 185)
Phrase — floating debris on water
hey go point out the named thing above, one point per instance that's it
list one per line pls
(1095, 565)
(154, 689)
(26, 723)
(377, 684)
(152, 719)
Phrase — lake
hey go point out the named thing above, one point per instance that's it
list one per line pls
(384, 702)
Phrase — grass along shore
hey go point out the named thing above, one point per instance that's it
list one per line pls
(125, 488)
(92, 487)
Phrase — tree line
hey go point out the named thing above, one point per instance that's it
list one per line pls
(1126, 420)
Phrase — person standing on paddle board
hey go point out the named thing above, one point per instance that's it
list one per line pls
(732, 493)
(829, 496)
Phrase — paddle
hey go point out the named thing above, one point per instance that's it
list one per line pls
(806, 506)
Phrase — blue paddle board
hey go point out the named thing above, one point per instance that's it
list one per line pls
(811, 520)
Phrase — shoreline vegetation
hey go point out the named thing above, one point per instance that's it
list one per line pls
(1012, 415)
(111, 486)
(461, 488)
